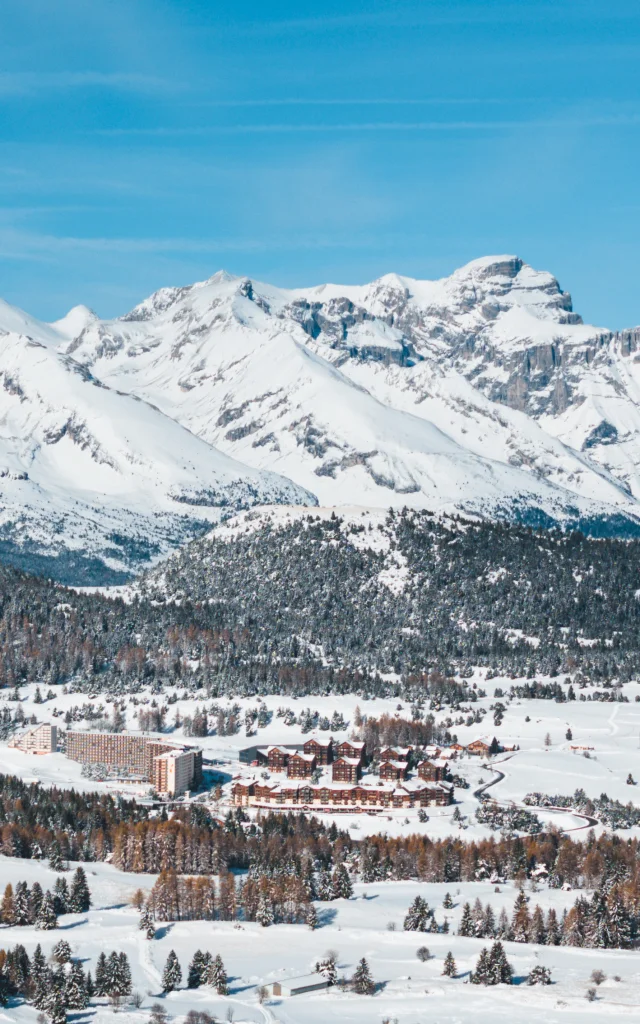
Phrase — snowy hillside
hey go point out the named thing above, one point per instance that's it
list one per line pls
(465, 393)
(93, 482)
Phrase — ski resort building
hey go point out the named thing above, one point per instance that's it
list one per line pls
(321, 749)
(432, 771)
(41, 739)
(334, 796)
(393, 770)
(298, 986)
(174, 771)
(351, 748)
(301, 766)
(135, 756)
(346, 769)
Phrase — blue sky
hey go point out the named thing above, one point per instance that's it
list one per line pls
(151, 142)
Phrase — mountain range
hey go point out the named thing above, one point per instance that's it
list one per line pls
(482, 393)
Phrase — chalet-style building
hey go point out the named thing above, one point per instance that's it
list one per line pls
(334, 796)
(300, 766)
(351, 748)
(321, 749)
(346, 769)
(277, 759)
(432, 772)
(479, 748)
(395, 770)
(395, 754)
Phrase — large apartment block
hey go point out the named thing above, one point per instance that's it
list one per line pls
(138, 755)
(41, 739)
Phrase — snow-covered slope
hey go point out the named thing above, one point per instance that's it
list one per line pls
(94, 482)
(398, 392)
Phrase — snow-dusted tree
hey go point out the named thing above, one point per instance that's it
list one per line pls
(553, 933)
(466, 921)
(61, 895)
(327, 968)
(47, 919)
(56, 1009)
(539, 975)
(326, 891)
(418, 916)
(194, 974)
(218, 976)
(362, 981)
(56, 861)
(146, 924)
(500, 970)
(482, 973)
(447, 902)
(80, 894)
(101, 975)
(21, 904)
(311, 917)
(35, 901)
(264, 913)
(61, 952)
(342, 885)
(75, 989)
(538, 930)
(449, 968)
(172, 973)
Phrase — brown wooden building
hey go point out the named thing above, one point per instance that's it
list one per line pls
(395, 754)
(431, 772)
(321, 749)
(351, 748)
(393, 771)
(346, 769)
(277, 759)
(300, 766)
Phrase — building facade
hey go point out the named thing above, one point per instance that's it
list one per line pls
(174, 771)
(393, 770)
(41, 739)
(321, 749)
(133, 755)
(306, 796)
(346, 769)
(301, 766)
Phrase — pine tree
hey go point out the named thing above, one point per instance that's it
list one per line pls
(47, 919)
(500, 970)
(447, 902)
(55, 1007)
(111, 975)
(325, 887)
(101, 975)
(417, 918)
(327, 968)
(466, 921)
(521, 921)
(449, 968)
(503, 929)
(362, 981)
(539, 975)
(194, 974)
(146, 924)
(80, 894)
(218, 976)
(264, 913)
(477, 915)
(21, 904)
(488, 923)
(342, 885)
(61, 895)
(482, 973)
(311, 917)
(75, 991)
(172, 974)
(123, 975)
(61, 952)
(56, 863)
(89, 986)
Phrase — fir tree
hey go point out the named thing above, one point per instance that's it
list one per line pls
(362, 981)
(61, 952)
(264, 913)
(56, 863)
(47, 919)
(552, 930)
(342, 885)
(466, 921)
(75, 991)
(35, 902)
(61, 895)
(539, 975)
(500, 970)
(325, 887)
(79, 895)
(447, 902)
(449, 968)
(55, 1007)
(90, 988)
(311, 917)
(172, 974)
(482, 973)
(122, 984)
(101, 975)
(146, 924)
(21, 904)
(327, 968)
(194, 974)
(218, 976)
(538, 930)
(417, 918)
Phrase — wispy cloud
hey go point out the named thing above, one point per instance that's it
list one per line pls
(623, 120)
(26, 83)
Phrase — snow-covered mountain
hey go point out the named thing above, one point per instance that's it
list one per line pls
(94, 482)
(482, 392)
(475, 392)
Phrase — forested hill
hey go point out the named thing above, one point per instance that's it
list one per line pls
(314, 602)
